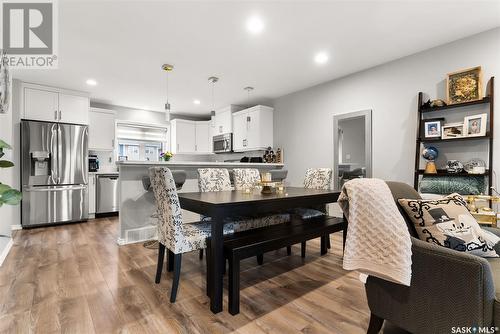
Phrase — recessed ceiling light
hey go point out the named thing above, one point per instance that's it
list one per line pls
(91, 82)
(255, 25)
(321, 57)
(196, 101)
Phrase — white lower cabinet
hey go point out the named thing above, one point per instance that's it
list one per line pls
(92, 192)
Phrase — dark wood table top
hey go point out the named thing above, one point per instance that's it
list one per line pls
(238, 197)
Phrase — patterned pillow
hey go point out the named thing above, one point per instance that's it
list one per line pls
(447, 222)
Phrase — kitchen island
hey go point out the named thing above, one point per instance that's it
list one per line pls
(137, 205)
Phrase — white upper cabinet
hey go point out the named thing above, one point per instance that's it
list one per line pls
(203, 139)
(101, 129)
(224, 119)
(73, 109)
(183, 134)
(190, 136)
(253, 129)
(41, 103)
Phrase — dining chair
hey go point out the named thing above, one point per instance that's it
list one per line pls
(315, 178)
(173, 234)
(217, 179)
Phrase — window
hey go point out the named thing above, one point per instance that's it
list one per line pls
(140, 143)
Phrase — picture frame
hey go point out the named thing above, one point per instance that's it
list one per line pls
(464, 85)
(432, 128)
(475, 126)
(452, 131)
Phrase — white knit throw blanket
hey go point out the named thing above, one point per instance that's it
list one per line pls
(378, 242)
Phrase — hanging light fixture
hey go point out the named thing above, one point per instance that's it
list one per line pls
(167, 68)
(249, 90)
(213, 80)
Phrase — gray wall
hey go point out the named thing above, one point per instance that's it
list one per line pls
(303, 123)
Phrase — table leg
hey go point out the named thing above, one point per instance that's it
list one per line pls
(216, 263)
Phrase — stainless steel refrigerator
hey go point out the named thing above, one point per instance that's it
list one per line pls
(54, 173)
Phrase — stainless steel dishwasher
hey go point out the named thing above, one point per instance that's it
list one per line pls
(107, 193)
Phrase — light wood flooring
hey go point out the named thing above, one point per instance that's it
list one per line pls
(76, 279)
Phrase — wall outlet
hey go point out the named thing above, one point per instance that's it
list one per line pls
(348, 156)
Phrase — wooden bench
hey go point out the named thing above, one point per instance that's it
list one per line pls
(255, 242)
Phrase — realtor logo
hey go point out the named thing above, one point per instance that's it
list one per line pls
(29, 33)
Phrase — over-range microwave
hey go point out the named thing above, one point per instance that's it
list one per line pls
(223, 143)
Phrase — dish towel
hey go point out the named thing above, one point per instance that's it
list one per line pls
(378, 242)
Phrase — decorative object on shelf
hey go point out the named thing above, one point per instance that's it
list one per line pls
(430, 154)
(452, 130)
(213, 80)
(8, 195)
(464, 86)
(166, 156)
(432, 128)
(424, 129)
(437, 103)
(4, 84)
(478, 205)
(279, 155)
(475, 166)
(167, 68)
(426, 105)
(454, 166)
(475, 126)
(444, 185)
(269, 156)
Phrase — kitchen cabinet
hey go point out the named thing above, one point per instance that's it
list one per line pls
(92, 192)
(253, 129)
(190, 136)
(202, 137)
(224, 119)
(42, 103)
(101, 130)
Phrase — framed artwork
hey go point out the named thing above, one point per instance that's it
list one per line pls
(475, 125)
(432, 128)
(464, 86)
(452, 130)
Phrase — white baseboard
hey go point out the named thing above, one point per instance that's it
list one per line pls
(6, 251)
(16, 227)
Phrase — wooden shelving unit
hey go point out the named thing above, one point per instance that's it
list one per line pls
(489, 99)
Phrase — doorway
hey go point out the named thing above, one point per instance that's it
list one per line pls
(352, 145)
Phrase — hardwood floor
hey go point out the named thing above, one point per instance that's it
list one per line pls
(76, 279)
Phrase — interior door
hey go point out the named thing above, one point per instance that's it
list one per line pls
(72, 144)
(74, 109)
(40, 105)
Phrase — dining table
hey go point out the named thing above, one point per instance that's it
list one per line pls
(221, 205)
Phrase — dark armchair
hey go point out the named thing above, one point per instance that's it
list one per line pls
(448, 288)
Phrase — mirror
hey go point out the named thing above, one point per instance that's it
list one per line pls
(352, 136)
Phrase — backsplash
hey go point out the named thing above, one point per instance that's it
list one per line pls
(106, 160)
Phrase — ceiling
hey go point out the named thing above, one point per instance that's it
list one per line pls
(122, 45)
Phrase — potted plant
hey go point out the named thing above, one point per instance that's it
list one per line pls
(8, 195)
(165, 156)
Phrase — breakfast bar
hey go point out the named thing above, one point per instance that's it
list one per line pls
(137, 205)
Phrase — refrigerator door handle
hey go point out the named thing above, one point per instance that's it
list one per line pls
(55, 188)
(54, 168)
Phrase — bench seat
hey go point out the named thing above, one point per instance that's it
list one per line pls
(246, 244)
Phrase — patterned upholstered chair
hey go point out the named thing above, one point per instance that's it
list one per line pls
(315, 178)
(217, 179)
(173, 234)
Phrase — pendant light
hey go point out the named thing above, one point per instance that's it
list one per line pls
(213, 80)
(167, 68)
(249, 90)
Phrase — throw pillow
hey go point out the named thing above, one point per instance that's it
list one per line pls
(447, 222)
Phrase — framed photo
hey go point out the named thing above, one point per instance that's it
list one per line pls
(475, 125)
(464, 86)
(453, 130)
(432, 128)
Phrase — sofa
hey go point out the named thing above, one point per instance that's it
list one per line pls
(449, 289)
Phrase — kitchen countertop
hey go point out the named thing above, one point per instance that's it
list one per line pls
(197, 163)
(104, 172)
